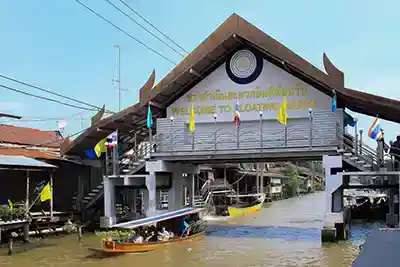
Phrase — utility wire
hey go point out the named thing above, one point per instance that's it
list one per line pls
(154, 26)
(51, 92)
(39, 119)
(46, 98)
(144, 28)
(126, 33)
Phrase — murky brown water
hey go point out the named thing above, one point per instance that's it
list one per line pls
(284, 233)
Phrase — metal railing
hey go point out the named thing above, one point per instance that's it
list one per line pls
(363, 151)
(244, 138)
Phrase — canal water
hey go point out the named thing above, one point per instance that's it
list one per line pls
(283, 233)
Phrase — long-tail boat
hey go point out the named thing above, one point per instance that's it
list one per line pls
(171, 220)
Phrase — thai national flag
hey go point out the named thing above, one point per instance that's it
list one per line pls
(236, 115)
(374, 131)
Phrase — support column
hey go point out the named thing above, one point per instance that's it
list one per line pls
(333, 209)
(190, 183)
(27, 194)
(151, 188)
(175, 193)
(52, 194)
(110, 216)
(392, 219)
(135, 193)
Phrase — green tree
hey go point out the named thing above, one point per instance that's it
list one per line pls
(293, 175)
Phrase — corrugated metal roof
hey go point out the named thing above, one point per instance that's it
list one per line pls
(29, 136)
(21, 161)
(30, 153)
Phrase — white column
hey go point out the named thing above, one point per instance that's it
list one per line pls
(332, 182)
(192, 193)
(110, 216)
(175, 193)
(151, 188)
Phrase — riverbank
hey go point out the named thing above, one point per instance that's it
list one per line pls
(283, 233)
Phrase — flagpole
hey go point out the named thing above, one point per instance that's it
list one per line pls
(52, 192)
(33, 203)
(149, 124)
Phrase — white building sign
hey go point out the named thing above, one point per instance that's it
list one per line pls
(218, 94)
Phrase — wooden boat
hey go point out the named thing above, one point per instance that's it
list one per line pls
(237, 211)
(110, 248)
(118, 247)
(225, 212)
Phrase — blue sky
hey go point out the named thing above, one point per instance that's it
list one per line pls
(60, 46)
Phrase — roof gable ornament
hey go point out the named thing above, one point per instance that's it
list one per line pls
(335, 76)
(97, 117)
(144, 92)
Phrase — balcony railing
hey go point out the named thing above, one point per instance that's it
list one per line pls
(245, 138)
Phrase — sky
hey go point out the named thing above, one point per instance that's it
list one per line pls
(60, 46)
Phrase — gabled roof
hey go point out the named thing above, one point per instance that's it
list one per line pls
(29, 136)
(233, 34)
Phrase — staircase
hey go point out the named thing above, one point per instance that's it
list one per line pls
(130, 162)
(360, 156)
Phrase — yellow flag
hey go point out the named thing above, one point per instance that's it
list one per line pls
(10, 205)
(46, 193)
(282, 115)
(191, 119)
(100, 147)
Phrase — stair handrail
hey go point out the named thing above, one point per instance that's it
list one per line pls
(366, 152)
(348, 142)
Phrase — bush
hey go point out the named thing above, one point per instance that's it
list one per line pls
(5, 213)
(9, 214)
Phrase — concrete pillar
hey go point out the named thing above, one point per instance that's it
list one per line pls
(333, 209)
(190, 183)
(133, 208)
(392, 219)
(175, 193)
(145, 203)
(151, 188)
(110, 216)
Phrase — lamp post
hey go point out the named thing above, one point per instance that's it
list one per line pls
(118, 74)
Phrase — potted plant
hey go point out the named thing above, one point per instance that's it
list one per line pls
(19, 213)
(5, 213)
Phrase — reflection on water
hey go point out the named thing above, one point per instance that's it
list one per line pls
(284, 233)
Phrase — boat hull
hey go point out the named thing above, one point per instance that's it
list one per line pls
(113, 248)
(235, 211)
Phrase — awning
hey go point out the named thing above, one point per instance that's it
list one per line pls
(159, 218)
(9, 162)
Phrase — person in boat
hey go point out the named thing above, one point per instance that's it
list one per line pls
(171, 235)
(152, 237)
(163, 235)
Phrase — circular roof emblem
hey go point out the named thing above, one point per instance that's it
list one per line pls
(244, 67)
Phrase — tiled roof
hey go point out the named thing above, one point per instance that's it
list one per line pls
(30, 153)
(29, 136)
